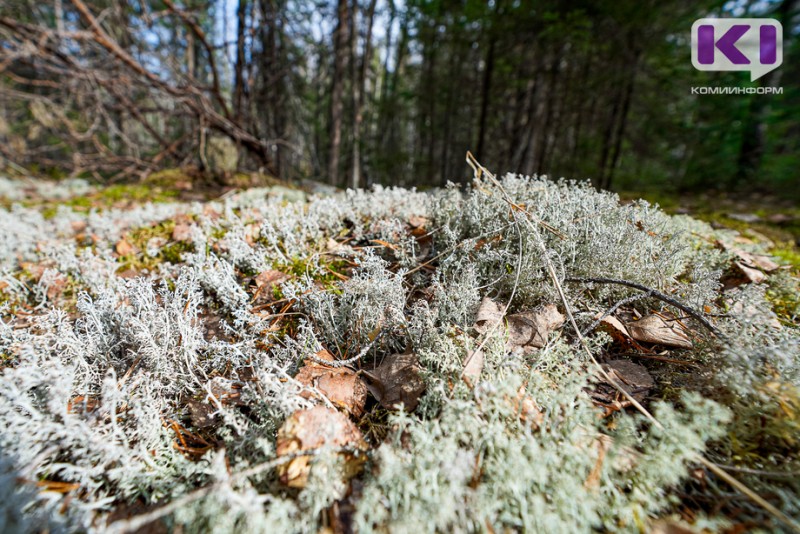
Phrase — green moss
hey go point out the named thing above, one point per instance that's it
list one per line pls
(170, 252)
(136, 192)
(329, 272)
(168, 177)
(789, 254)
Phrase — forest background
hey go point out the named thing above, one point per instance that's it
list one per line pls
(362, 92)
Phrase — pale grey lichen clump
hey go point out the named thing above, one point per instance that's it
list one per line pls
(91, 386)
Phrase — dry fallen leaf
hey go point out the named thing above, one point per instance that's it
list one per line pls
(202, 414)
(654, 329)
(224, 390)
(614, 328)
(182, 232)
(265, 283)
(269, 279)
(342, 386)
(528, 410)
(78, 226)
(529, 330)
(669, 526)
(747, 268)
(397, 381)
(634, 378)
(473, 365)
(56, 286)
(312, 429)
(489, 314)
(743, 273)
(124, 248)
(82, 405)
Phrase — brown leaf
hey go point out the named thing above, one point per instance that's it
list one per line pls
(36, 270)
(397, 381)
(473, 365)
(418, 221)
(747, 268)
(225, 391)
(634, 378)
(82, 405)
(528, 410)
(489, 314)
(418, 226)
(182, 232)
(529, 330)
(202, 414)
(311, 429)
(124, 248)
(668, 526)
(614, 328)
(56, 286)
(265, 283)
(270, 279)
(342, 386)
(654, 329)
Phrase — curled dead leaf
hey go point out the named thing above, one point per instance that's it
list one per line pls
(269, 279)
(655, 329)
(489, 314)
(340, 385)
(529, 330)
(312, 429)
(397, 381)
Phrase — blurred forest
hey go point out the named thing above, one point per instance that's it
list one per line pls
(361, 92)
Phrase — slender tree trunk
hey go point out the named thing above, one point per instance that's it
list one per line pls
(487, 87)
(340, 40)
(619, 132)
(359, 91)
(238, 81)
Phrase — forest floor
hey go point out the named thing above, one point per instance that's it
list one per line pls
(524, 355)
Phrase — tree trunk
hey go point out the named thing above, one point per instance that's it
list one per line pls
(359, 94)
(238, 82)
(487, 86)
(340, 51)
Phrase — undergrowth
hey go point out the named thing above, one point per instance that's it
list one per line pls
(101, 376)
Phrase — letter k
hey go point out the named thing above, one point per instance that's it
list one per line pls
(726, 44)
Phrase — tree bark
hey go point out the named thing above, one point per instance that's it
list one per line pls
(487, 87)
(359, 93)
(340, 40)
(238, 82)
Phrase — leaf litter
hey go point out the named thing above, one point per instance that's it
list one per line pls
(245, 371)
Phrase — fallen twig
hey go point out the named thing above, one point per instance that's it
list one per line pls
(654, 293)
